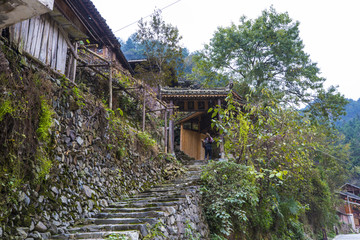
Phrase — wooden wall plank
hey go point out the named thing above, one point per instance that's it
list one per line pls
(50, 41)
(11, 33)
(61, 53)
(34, 35)
(27, 47)
(45, 38)
(191, 144)
(14, 33)
(23, 34)
(17, 28)
(54, 46)
(39, 37)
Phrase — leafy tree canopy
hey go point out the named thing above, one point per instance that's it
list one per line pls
(263, 53)
(281, 172)
(132, 49)
(162, 50)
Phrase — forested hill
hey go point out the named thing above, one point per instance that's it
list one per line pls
(349, 125)
(352, 112)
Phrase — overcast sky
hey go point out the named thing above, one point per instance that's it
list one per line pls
(330, 29)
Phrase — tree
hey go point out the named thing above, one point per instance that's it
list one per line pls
(132, 49)
(161, 49)
(292, 167)
(263, 53)
(327, 107)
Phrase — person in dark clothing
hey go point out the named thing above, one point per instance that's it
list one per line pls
(207, 143)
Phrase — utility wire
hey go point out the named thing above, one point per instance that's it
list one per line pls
(147, 16)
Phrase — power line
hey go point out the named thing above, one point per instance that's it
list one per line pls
(167, 6)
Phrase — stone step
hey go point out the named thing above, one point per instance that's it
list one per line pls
(149, 200)
(132, 235)
(152, 198)
(139, 209)
(144, 205)
(196, 168)
(133, 216)
(101, 225)
(149, 214)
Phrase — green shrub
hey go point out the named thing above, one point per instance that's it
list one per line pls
(228, 191)
(146, 140)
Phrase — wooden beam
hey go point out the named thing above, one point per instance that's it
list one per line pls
(92, 68)
(95, 65)
(95, 54)
(73, 51)
(171, 128)
(222, 150)
(74, 63)
(166, 131)
(110, 88)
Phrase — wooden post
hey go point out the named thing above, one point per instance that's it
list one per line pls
(222, 150)
(74, 63)
(166, 130)
(144, 110)
(110, 87)
(171, 128)
(70, 67)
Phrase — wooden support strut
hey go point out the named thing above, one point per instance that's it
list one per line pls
(95, 54)
(73, 51)
(74, 63)
(144, 110)
(222, 150)
(171, 128)
(110, 87)
(166, 131)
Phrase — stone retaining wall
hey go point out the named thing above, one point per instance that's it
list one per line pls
(86, 174)
(186, 220)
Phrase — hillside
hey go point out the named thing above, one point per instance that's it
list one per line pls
(352, 111)
(349, 126)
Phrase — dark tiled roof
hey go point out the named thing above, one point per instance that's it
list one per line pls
(99, 31)
(349, 184)
(189, 92)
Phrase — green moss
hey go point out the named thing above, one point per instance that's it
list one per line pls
(5, 108)
(44, 164)
(45, 121)
(79, 98)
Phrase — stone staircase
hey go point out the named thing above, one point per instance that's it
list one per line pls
(170, 208)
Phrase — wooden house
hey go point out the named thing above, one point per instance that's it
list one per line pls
(197, 123)
(53, 38)
(349, 212)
